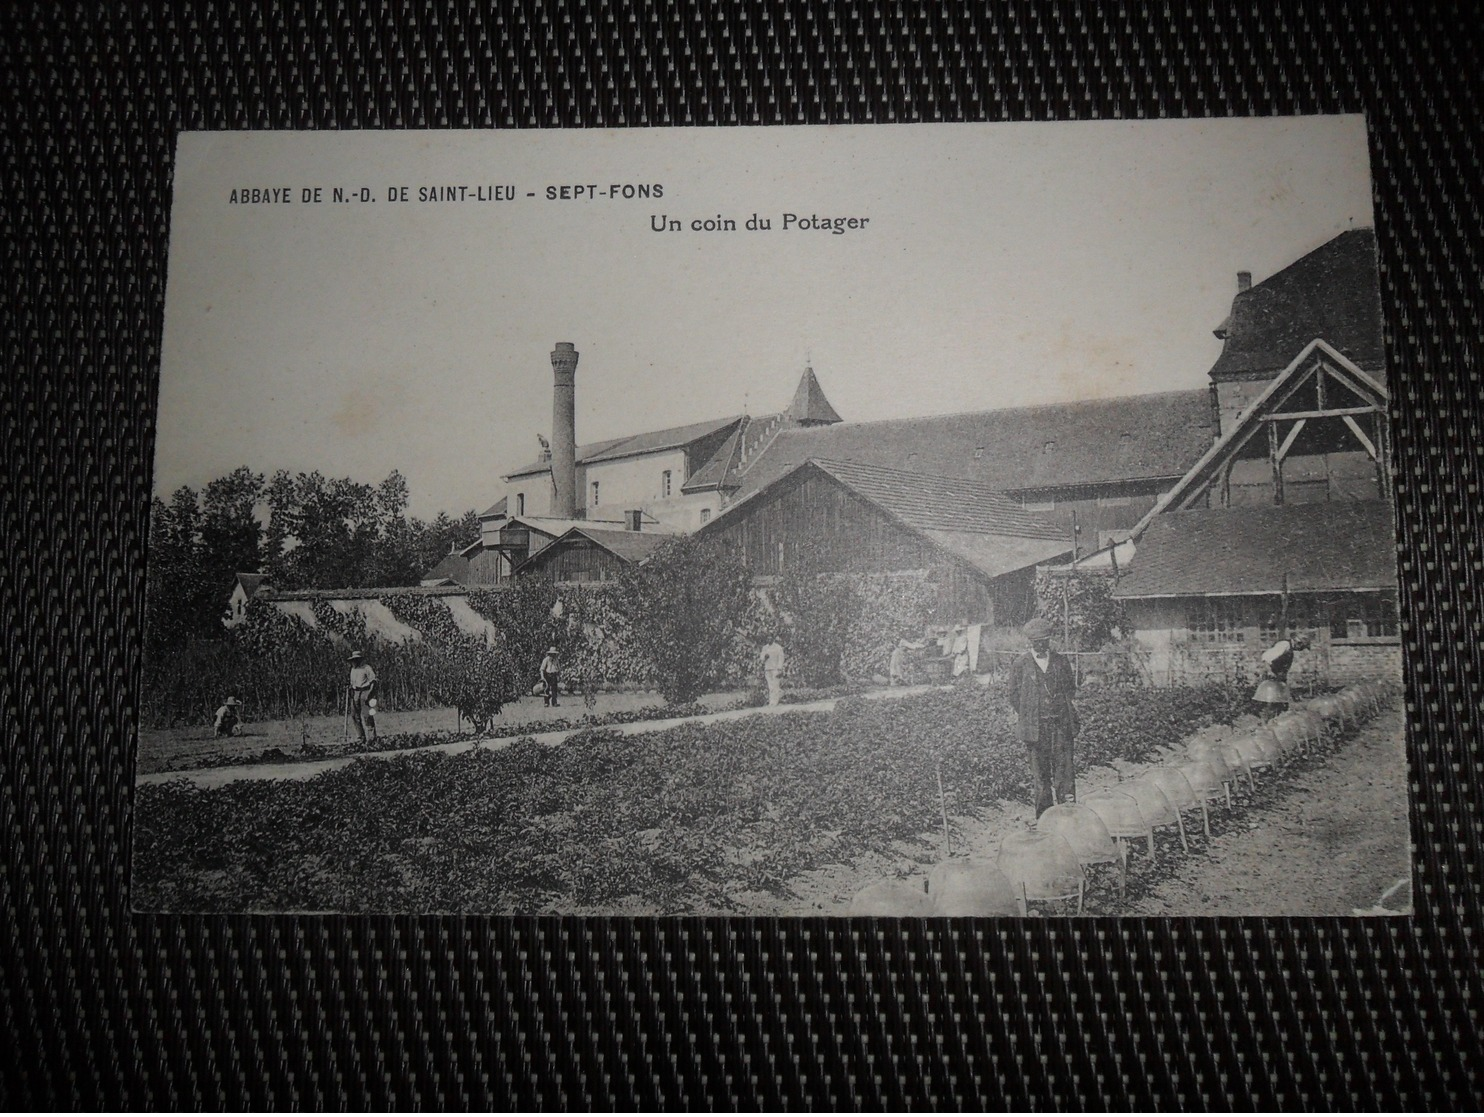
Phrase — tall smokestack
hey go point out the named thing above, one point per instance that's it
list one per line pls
(564, 430)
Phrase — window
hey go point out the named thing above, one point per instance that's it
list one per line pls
(1215, 620)
(1306, 615)
(594, 487)
(978, 453)
(520, 504)
(665, 483)
(705, 515)
(1363, 616)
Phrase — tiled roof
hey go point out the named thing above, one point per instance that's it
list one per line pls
(1128, 438)
(669, 439)
(1339, 545)
(710, 475)
(999, 554)
(942, 503)
(631, 546)
(495, 510)
(1331, 293)
(810, 405)
(454, 566)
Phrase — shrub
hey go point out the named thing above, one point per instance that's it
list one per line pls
(1084, 597)
(820, 610)
(689, 611)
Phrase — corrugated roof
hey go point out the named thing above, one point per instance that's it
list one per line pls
(1246, 550)
(1331, 293)
(943, 504)
(669, 439)
(1128, 438)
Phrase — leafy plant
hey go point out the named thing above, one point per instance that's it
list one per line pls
(1082, 601)
(689, 610)
(680, 820)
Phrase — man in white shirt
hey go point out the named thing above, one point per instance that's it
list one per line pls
(772, 657)
(362, 691)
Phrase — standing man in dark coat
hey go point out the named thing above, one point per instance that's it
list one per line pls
(1041, 689)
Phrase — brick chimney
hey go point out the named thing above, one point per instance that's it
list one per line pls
(564, 430)
(1244, 281)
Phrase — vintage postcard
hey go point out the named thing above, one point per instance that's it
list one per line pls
(909, 521)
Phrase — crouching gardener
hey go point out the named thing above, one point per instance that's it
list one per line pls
(1041, 689)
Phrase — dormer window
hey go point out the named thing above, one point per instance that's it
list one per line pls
(1050, 446)
(978, 453)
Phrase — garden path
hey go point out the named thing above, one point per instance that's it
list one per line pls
(308, 769)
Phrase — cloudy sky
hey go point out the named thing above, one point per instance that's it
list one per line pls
(1001, 265)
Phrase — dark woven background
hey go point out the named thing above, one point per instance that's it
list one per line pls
(98, 1008)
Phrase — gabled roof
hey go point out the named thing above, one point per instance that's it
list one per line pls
(495, 511)
(1088, 442)
(714, 472)
(631, 546)
(672, 438)
(809, 405)
(942, 503)
(1331, 293)
(250, 582)
(1340, 545)
(978, 525)
(552, 526)
(1317, 349)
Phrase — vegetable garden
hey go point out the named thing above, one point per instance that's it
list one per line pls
(681, 820)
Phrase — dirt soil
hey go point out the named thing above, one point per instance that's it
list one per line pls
(1328, 836)
(196, 746)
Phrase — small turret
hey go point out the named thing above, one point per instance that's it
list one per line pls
(810, 408)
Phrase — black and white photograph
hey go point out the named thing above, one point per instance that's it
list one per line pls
(929, 520)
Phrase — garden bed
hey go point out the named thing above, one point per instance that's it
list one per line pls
(686, 819)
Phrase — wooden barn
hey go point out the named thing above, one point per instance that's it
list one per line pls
(1283, 527)
(980, 547)
(589, 554)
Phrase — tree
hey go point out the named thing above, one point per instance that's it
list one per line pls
(1083, 600)
(231, 537)
(688, 606)
(180, 600)
(821, 609)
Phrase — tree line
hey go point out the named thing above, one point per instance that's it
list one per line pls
(303, 531)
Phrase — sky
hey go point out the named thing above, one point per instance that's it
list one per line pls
(1001, 265)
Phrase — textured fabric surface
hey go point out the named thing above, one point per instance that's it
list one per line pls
(100, 1008)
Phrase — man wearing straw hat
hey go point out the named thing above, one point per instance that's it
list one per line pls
(362, 695)
(1041, 689)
